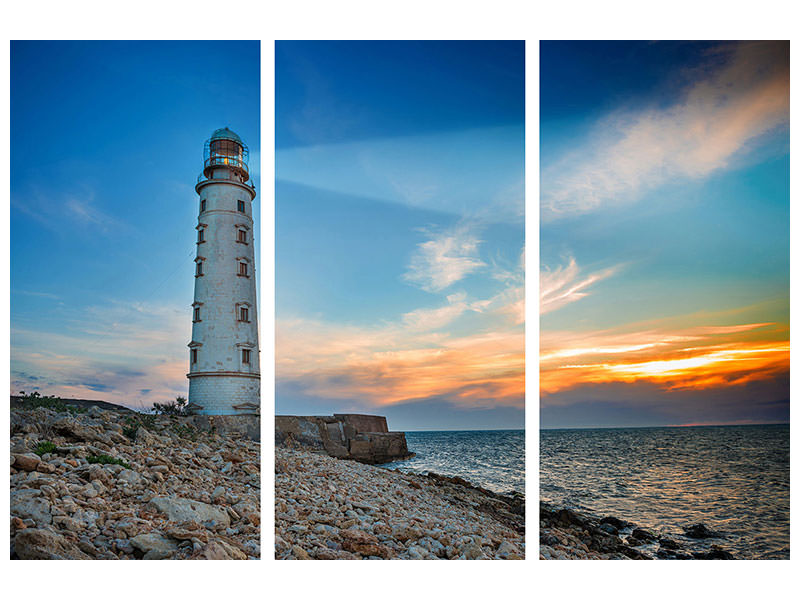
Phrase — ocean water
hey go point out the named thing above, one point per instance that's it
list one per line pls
(494, 460)
(733, 479)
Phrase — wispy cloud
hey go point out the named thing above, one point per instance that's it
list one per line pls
(446, 258)
(741, 94)
(78, 209)
(36, 294)
(565, 284)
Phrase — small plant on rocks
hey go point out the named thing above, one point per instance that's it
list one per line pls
(45, 448)
(132, 424)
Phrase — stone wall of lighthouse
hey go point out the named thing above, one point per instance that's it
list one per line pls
(224, 375)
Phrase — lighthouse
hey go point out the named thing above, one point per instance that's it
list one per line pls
(224, 377)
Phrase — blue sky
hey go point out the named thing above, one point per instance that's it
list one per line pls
(400, 231)
(107, 142)
(664, 233)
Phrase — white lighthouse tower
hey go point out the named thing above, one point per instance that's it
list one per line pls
(224, 376)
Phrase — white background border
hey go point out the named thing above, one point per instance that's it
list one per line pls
(410, 19)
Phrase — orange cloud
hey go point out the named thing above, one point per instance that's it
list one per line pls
(694, 358)
(394, 364)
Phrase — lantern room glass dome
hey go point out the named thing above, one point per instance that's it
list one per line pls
(226, 149)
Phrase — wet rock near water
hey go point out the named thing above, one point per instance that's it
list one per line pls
(700, 531)
(569, 535)
(111, 485)
(332, 509)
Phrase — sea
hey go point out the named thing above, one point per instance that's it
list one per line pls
(494, 460)
(733, 479)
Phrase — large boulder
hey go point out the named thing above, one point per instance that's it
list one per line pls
(183, 509)
(154, 546)
(41, 544)
(26, 462)
(31, 504)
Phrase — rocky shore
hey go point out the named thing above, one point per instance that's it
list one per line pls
(106, 484)
(569, 535)
(329, 509)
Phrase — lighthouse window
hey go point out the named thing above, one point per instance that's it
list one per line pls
(196, 314)
(202, 206)
(243, 269)
(240, 206)
(245, 356)
(201, 236)
(194, 355)
(199, 270)
(242, 236)
(243, 314)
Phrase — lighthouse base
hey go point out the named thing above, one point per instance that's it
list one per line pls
(224, 394)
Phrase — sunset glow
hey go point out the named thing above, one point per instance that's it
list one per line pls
(664, 233)
(400, 232)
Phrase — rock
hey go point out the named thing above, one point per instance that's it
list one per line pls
(299, 553)
(25, 462)
(146, 438)
(154, 546)
(183, 509)
(615, 522)
(669, 544)
(608, 528)
(643, 534)
(29, 504)
(187, 534)
(472, 551)
(44, 467)
(67, 523)
(570, 517)
(506, 548)
(41, 544)
(219, 550)
(364, 543)
(714, 554)
(131, 478)
(700, 531)
(634, 541)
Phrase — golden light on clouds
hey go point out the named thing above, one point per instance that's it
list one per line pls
(695, 358)
(394, 364)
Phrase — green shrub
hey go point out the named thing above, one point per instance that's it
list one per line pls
(45, 448)
(176, 408)
(105, 459)
(133, 422)
(36, 400)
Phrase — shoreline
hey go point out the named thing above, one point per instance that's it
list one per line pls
(566, 534)
(332, 509)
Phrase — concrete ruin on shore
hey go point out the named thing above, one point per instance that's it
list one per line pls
(365, 438)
